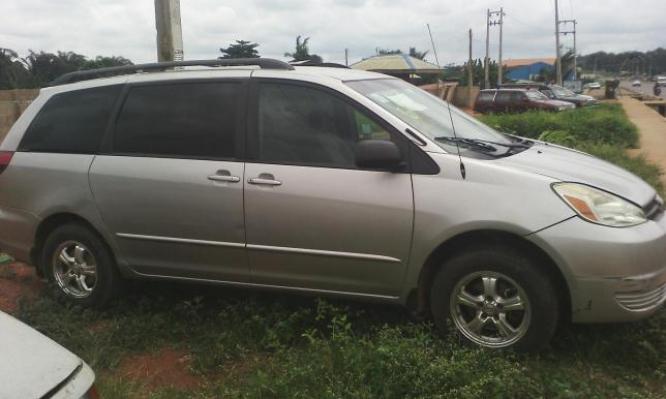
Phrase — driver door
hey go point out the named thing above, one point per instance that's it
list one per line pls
(313, 219)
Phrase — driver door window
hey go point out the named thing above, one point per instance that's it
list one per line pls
(300, 125)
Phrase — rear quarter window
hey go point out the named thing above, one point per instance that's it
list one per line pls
(71, 122)
(486, 96)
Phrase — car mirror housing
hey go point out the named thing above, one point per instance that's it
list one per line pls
(378, 154)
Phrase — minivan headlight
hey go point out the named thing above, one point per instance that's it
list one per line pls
(598, 206)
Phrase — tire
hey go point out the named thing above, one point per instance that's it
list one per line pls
(80, 267)
(521, 312)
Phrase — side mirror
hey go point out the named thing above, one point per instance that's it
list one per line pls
(378, 154)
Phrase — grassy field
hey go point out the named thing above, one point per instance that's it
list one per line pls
(241, 344)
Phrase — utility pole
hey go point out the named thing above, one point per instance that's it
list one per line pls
(490, 22)
(470, 74)
(499, 67)
(169, 31)
(346, 57)
(486, 61)
(558, 64)
(573, 31)
(434, 49)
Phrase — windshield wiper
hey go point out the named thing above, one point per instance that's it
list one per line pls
(481, 144)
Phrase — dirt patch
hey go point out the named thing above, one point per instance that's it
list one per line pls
(165, 368)
(18, 282)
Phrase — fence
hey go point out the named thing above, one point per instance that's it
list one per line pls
(12, 104)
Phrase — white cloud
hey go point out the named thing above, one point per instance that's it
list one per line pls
(127, 27)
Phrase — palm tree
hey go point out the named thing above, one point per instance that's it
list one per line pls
(417, 54)
(302, 52)
(240, 49)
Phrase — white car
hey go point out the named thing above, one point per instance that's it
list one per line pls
(34, 366)
(636, 83)
(594, 85)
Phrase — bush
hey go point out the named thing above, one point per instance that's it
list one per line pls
(606, 123)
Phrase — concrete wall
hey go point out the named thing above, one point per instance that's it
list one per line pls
(461, 98)
(12, 104)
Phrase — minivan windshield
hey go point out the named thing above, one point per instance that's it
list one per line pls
(430, 116)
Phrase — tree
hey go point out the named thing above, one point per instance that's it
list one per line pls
(240, 49)
(13, 73)
(45, 67)
(302, 52)
(384, 51)
(417, 54)
(105, 62)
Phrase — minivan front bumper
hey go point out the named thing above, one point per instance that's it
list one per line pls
(614, 274)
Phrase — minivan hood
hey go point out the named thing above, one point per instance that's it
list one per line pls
(564, 164)
(30, 363)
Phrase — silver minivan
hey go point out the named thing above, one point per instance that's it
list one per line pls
(329, 181)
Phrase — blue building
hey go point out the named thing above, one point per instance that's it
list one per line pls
(527, 68)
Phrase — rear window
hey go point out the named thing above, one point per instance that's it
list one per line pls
(189, 120)
(486, 96)
(503, 96)
(71, 122)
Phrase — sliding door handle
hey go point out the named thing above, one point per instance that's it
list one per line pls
(265, 179)
(224, 176)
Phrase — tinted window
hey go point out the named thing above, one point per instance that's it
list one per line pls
(302, 125)
(185, 119)
(71, 122)
(503, 96)
(486, 96)
(517, 96)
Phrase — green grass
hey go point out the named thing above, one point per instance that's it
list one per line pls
(265, 345)
(602, 130)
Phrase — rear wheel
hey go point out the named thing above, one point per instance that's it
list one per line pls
(80, 266)
(496, 298)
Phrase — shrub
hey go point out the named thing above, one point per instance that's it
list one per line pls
(606, 123)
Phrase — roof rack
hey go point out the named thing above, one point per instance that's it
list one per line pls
(77, 76)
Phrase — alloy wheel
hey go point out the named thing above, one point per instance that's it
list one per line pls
(490, 309)
(75, 269)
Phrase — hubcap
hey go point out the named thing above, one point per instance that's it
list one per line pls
(490, 309)
(75, 269)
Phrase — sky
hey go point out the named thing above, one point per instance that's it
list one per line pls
(127, 27)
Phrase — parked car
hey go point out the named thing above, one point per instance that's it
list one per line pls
(34, 366)
(636, 83)
(661, 80)
(328, 181)
(517, 100)
(555, 92)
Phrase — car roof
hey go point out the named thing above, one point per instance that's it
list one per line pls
(335, 73)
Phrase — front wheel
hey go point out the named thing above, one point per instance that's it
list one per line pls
(496, 298)
(80, 267)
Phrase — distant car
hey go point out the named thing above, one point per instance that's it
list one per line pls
(636, 83)
(34, 366)
(517, 100)
(555, 92)
(564, 94)
(661, 80)
(594, 85)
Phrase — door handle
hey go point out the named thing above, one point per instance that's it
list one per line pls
(224, 176)
(265, 179)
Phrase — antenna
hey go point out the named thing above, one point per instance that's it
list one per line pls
(434, 49)
(455, 139)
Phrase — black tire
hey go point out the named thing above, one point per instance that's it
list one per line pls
(542, 303)
(107, 282)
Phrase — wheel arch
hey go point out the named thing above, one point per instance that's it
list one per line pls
(420, 297)
(50, 224)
